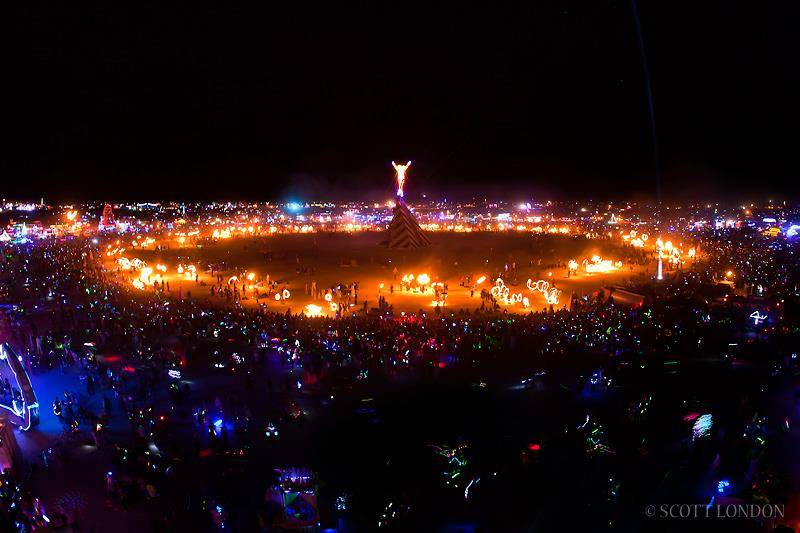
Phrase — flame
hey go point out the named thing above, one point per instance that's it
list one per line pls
(313, 310)
(551, 294)
(503, 294)
(145, 274)
(600, 265)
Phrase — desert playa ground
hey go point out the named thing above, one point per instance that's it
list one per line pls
(332, 259)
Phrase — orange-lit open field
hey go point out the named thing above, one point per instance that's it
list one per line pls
(295, 261)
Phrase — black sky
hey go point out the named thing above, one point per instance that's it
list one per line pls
(532, 97)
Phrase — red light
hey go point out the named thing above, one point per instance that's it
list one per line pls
(534, 447)
(441, 364)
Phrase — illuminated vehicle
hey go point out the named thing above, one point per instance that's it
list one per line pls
(271, 432)
(23, 410)
(296, 493)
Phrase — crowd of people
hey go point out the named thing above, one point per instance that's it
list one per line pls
(70, 315)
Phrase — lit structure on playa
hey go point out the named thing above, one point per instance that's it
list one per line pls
(107, 221)
(24, 409)
(401, 176)
(404, 230)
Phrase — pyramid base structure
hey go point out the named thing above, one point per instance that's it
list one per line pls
(404, 231)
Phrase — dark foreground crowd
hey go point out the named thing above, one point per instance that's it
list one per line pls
(131, 349)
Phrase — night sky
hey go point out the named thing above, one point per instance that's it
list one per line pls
(529, 99)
